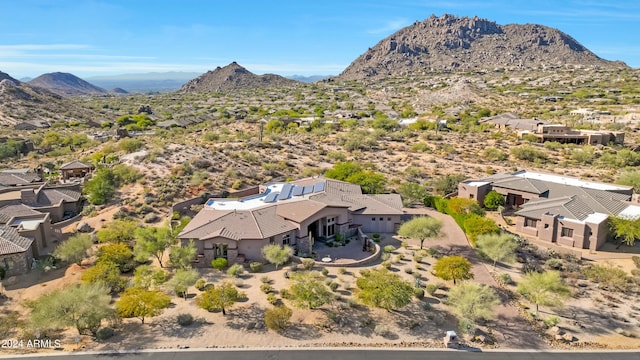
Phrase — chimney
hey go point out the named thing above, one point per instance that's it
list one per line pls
(28, 196)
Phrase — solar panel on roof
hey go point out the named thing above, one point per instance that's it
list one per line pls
(271, 197)
(285, 193)
(307, 189)
(318, 187)
(297, 190)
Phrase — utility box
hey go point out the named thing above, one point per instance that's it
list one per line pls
(451, 339)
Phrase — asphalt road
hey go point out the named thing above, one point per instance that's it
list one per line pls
(375, 354)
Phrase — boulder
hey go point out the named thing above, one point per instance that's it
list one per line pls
(568, 337)
(83, 227)
(151, 218)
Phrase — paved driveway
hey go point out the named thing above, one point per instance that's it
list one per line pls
(511, 330)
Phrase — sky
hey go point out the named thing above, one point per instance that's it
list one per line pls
(301, 37)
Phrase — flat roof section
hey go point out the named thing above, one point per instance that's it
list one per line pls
(571, 181)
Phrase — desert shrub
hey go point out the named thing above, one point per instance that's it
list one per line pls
(400, 257)
(285, 294)
(554, 264)
(265, 280)
(385, 256)
(342, 271)
(636, 261)
(235, 270)
(418, 292)
(505, 279)
(417, 258)
(200, 284)
(255, 266)
(408, 270)
(382, 330)
(608, 276)
(552, 321)
(105, 333)
(386, 264)
(266, 288)
(324, 271)
(277, 319)
(333, 286)
(272, 299)
(219, 263)
(431, 289)
(308, 264)
(184, 319)
(389, 248)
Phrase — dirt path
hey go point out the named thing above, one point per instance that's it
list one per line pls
(511, 330)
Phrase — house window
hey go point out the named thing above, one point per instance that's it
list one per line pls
(272, 240)
(546, 226)
(388, 219)
(566, 232)
(373, 219)
(331, 226)
(530, 222)
(221, 250)
(381, 219)
(470, 196)
(286, 239)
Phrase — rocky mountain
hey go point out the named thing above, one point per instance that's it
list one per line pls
(233, 77)
(26, 107)
(65, 84)
(449, 43)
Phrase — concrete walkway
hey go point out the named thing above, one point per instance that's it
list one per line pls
(510, 329)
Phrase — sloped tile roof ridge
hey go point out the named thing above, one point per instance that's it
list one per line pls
(12, 242)
(75, 164)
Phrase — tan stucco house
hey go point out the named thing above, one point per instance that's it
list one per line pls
(557, 209)
(296, 214)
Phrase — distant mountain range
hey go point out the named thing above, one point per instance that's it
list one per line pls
(145, 82)
(448, 43)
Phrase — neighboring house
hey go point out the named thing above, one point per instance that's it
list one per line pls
(557, 209)
(565, 134)
(15, 177)
(511, 121)
(61, 201)
(74, 169)
(29, 223)
(295, 214)
(15, 251)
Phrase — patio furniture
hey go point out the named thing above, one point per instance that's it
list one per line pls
(327, 259)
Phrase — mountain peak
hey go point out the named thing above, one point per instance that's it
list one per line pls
(449, 42)
(232, 77)
(65, 84)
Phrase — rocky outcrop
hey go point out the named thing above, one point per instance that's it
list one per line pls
(233, 77)
(449, 43)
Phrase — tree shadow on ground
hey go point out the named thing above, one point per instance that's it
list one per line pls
(170, 327)
(349, 319)
(417, 321)
(302, 332)
(247, 318)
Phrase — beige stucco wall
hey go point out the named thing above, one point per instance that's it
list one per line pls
(473, 192)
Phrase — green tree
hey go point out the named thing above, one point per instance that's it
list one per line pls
(412, 193)
(117, 253)
(453, 268)
(117, 231)
(498, 247)
(100, 188)
(181, 280)
(465, 206)
(545, 288)
(276, 254)
(219, 297)
(421, 228)
(370, 181)
(528, 153)
(74, 249)
(625, 229)
(475, 225)
(472, 302)
(146, 277)
(447, 184)
(142, 303)
(309, 290)
(492, 153)
(105, 273)
(493, 200)
(383, 289)
(277, 318)
(153, 241)
(81, 306)
(630, 178)
(342, 170)
(182, 256)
